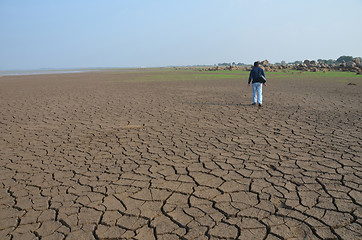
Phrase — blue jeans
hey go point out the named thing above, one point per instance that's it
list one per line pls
(257, 92)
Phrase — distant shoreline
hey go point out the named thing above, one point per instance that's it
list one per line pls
(66, 71)
(42, 72)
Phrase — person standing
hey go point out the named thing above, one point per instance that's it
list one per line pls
(257, 77)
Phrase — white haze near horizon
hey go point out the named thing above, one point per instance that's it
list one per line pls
(154, 33)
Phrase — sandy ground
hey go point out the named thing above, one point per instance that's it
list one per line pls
(86, 156)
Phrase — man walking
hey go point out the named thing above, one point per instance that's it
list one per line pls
(257, 77)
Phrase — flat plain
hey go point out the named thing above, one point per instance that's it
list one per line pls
(180, 154)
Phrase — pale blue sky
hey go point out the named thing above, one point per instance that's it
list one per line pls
(133, 33)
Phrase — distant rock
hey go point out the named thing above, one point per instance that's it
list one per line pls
(265, 63)
(307, 63)
(351, 64)
(313, 63)
(343, 64)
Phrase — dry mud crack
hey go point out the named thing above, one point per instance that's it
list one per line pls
(84, 157)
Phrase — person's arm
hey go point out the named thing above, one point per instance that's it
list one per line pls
(262, 73)
(250, 77)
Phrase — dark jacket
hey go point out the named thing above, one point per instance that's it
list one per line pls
(255, 74)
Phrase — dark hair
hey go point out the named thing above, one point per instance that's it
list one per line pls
(256, 64)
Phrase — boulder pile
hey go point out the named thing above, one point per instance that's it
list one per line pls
(315, 66)
(222, 68)
(305, 66)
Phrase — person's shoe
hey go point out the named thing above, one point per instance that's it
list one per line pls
(260, 105)
(254, 103)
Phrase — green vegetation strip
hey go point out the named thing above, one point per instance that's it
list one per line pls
(170, 75)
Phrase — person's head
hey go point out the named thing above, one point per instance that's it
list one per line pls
(256, 64)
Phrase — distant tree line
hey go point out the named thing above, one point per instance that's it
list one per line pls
(326, 61)
(339, 60)
(346, 59)
(231, 64)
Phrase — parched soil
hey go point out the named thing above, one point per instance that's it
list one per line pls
(92, 155)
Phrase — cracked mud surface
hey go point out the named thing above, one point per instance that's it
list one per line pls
(84, 156)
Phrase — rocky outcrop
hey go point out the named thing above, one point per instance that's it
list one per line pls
(315, 66)
(306, 66)
(223, 68)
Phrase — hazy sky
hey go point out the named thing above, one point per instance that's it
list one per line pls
(133, 33)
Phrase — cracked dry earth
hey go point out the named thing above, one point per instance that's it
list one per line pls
(87, 156)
